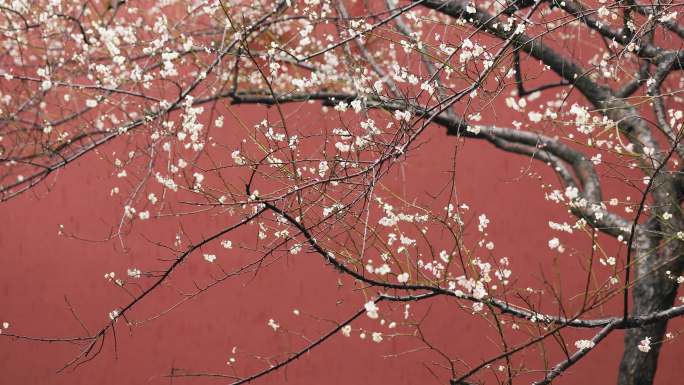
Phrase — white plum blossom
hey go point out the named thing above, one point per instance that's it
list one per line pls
(571, 192)
(114, 314)
(534, 116)
(357, 105)
(645, 345)
(483, 223)
(46, 85)
(378, 86)
(296, 248)
(371, 309)
(273, 325)
(322, 168)
(444, 256)
(402, 115)
(584, 344)
(152, 198)
(669, 17)
(134, 273)
(383, 269)
(554, 243)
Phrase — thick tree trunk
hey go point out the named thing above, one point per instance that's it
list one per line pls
(653, 291)
(636, 367)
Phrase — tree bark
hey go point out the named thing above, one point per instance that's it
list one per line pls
(652, 291)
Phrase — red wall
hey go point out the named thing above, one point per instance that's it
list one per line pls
(40, 269)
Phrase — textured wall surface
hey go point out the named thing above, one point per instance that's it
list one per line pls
(40, 269)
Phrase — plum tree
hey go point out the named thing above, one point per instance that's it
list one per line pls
(348, 91)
